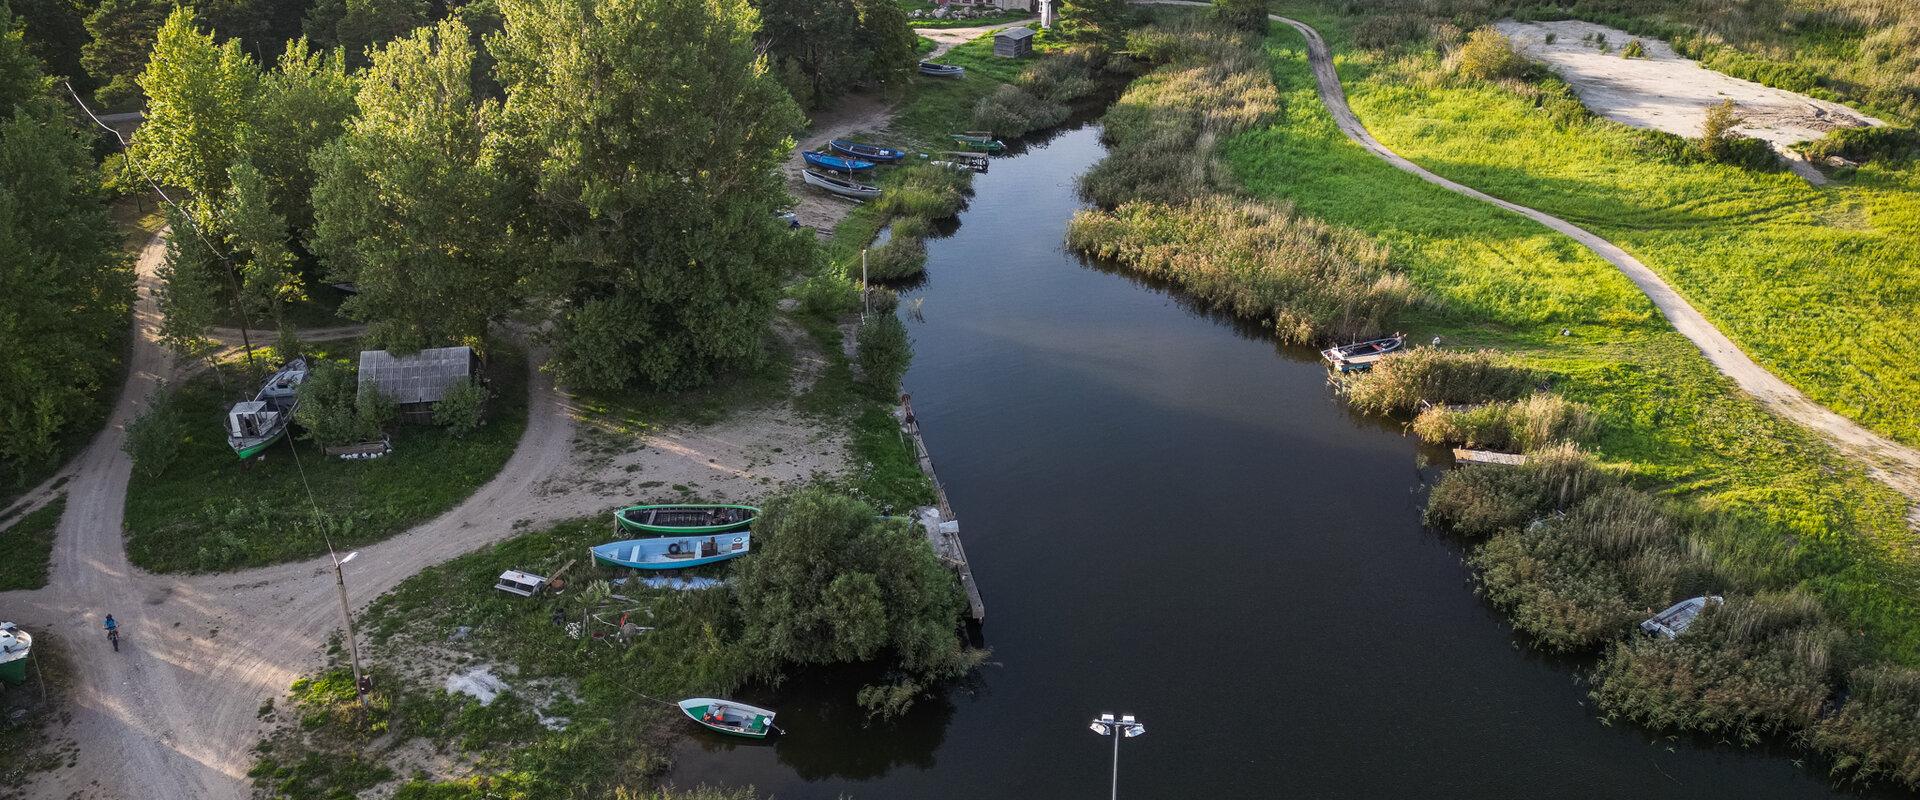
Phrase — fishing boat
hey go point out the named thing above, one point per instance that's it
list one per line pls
(836, 163)
(673, 552)
(839, 186)
(979, 140)
(729, 717)
(14, 647)
(870, 152)
(688, 518)
(253, 425)
(1362, 355)
(1674, 621)
(941, 70)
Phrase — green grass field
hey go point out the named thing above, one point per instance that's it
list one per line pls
(211, 511)
(1492, 279)
(28, 543)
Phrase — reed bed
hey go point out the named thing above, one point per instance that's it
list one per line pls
(1517, 426)
(917, 194)
(1875, 734)
(1477, 503)
(1044, 95)
(1404, 381)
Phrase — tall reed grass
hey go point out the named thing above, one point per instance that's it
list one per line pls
(1523, 425)
(1402, 382)
(1044, 95)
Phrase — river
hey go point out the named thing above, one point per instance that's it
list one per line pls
(1171, 516)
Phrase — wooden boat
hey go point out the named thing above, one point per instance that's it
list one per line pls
(15, 645)
(870, 152)
(836, 163)
(845, 188)
(941, 70)
(1672, 622)
(674, 552)
(1362, 355)
(729, 717)
(979, 140)
(255, 424)
(685, 518)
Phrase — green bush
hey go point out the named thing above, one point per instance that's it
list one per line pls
(1488, 56)
(1891, 143)
(462, 410)
(1401, 382)
(1519, 426)
(1383, 31)
(331, 409)
(1480, 502)
(1014, 111)
(154, 438)
(827, 297)
(1634, 49)
(884, 353)
(927, 191)
(1875, 734)
(900, 258)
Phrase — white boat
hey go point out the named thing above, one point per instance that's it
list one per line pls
(840, 186)
(727, 716)
(15, 644)
(256, 423)
(1362, 355)
(942, 70)
(1674, 621)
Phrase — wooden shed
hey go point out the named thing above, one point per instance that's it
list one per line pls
(1013, 42)
(415, 382)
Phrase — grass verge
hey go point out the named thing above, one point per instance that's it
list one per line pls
(28, 544)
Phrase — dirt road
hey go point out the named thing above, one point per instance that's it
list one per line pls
(174, 715)
(1892, 463)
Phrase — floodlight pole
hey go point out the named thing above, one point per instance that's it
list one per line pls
(1116, 764)
(1125, 726)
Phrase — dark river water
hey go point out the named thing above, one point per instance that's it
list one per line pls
(1172, 517)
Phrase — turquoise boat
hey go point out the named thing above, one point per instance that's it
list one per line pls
(979, 140)
(15, 645)
(729, 717)
(685, 518)
(674, 552)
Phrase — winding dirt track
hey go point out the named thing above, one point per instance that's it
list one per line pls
(1894, 464)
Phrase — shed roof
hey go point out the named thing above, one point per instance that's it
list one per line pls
(1015, 34)
(423, 377)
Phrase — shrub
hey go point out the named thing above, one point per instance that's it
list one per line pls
(1488, 56)
(332, 412)
(900, 258)
(1479, 502)
(1383, 31)
(1875, 734)
(1753, 667)
(924, 190)
(1522, 425)
(885, 351)
(827, 297)
(1890, 143)
(462, 410)
(154, 438)
(1634, 49)
(1717, 132)
(1245, 15)
(1402, 381)
(1014, 111)
(1065, 77)
(1306, 279)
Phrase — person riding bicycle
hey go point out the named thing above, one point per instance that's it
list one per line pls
(112, 626)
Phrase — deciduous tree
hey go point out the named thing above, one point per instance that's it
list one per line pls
(1246, 15)
(122, 34)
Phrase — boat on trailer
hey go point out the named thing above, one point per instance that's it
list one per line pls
(674, 552)
(253, 425)
(1674, 621)
(870, 152)
(729, 717)
(836, 163)
(942, 70)
(685, 518)
(840, 186)
(1362, 355)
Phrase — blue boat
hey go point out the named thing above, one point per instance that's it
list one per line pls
(673, 552)
(835, 163)
(870, 152)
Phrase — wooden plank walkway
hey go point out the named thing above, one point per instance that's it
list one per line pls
(1466, 456)
(939, 522)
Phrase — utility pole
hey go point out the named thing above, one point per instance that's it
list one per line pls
(866, 303)
(346, 613)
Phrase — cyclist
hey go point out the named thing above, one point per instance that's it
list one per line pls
(113, 632)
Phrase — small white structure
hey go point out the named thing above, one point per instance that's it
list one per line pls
(525, 584)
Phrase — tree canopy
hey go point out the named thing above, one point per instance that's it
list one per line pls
(821, 49)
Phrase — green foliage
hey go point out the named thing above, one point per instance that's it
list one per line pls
(1476, 503)
(122, 35)
(1875, 733)
(306, 100)
(462, 410)
(357, 26)
(1518, 426)
(1717, 134)
(202, 102)
(827, 297)
(1013, 111)
(1101, 24)
(154, 438)
(411, 203)
(902, 257)
(29, 546)
(671, 263)
(1634, 49)
(1260, 262)
(256, 238)
(885, 351)
(1246, 15)
(1400, 382)
(822, 49)
(1488, 56)
(331, 409)
(1891, 143)
(830, 582)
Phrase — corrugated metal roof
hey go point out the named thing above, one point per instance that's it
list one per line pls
(1014, 33)
(423, 377)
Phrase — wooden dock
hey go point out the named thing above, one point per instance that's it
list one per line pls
(941, 526)
(1466, 456)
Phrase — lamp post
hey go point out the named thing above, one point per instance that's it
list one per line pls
(1126, 728)
(346, 613)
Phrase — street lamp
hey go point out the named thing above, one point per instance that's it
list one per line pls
(353, 644)
(1126, 728)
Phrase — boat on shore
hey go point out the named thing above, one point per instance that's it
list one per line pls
(700, 518)
(840, 186)
(1362, 355)
(729, 717)
(1669, 624)
(15, 646)
(253, 425)
(870, 152)
(835, 163)
(942, 70)
(673, 552)
(979, 140)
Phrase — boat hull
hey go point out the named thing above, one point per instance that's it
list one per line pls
(253, 446)
(754, 723)
(886, 155)
(673, 552)
(836, 163)
(941, 70)
(857, 191)
(636, 518)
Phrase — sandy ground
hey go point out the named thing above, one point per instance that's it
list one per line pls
(174, 715)
(1668, 92)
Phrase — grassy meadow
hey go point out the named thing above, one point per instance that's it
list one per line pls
(28, 543)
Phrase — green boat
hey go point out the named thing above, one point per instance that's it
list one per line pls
(685, 518)
(979, 140)
(254, 425)
(728, 717)
(14, 646)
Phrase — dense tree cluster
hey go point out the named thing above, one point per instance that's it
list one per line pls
(824, 48)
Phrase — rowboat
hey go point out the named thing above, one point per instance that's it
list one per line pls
(1674, 621)
(15, 645)
(673, 552)
(686, 518)
(1361, 355)
(729, 717)
(870, 152)
(979, 140)
(253, 425)
(836, 163)
(941, 70)
(839, 186)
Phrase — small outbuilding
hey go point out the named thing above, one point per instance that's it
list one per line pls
(1013, 42)
(415, 382)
